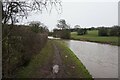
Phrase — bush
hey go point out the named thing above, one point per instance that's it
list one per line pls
(19, 47)
(56, 33)
(50, 34)
(65, 34)
(115, 31)
(81, 31)
(102, 31)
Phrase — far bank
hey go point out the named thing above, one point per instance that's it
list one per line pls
(92, 36)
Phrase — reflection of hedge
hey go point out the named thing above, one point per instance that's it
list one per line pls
(19, 47)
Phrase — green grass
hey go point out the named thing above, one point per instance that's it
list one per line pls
(92, 36)
(37, 62)
(79, 71)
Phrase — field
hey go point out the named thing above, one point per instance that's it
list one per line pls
(92, 36)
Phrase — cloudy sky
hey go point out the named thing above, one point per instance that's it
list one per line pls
(86, 13)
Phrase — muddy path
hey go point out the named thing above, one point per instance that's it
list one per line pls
(49, 68)
(57, 61)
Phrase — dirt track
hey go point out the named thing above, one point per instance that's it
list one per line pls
(47, 69)
(57, 61)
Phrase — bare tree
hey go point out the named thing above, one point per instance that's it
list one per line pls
(13, 10)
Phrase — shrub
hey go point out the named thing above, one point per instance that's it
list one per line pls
(19, 47)
(102, 31)
(65, 34)
(50, 34)
(56, 33)
(81, 31)
(115, 31)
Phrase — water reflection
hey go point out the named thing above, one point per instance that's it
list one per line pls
(101, 60)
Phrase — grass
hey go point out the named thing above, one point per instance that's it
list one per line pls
(92, 36)
(73, 66)
(37, 62)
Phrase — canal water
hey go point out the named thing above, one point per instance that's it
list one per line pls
(101, 60)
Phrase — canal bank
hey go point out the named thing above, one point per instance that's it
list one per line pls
(93, 37)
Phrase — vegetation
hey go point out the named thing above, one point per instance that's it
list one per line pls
(50, 33)
(102, 31)
(20, 43)
(115, 31)
(63, 30)
(81, 31)
(37, 26)
(56, 33)
(19, 46)
(23, 47)
(76, 26)
(92, 36)
(37, 62)
(65, 34)
(62, 24)
(13, 11)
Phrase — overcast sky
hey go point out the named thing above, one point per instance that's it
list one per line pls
(86, 13)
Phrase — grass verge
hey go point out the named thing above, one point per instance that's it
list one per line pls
(37, 62)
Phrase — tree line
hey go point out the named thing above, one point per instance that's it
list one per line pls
(111, 31)
(63, 30)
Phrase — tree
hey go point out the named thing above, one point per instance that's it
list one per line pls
(65, 34)
(64, 31)
(81, 31)
(24, 39)
(37, 26)
(77, 26)
(14, 10)
(92, 28)
(62, 24)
